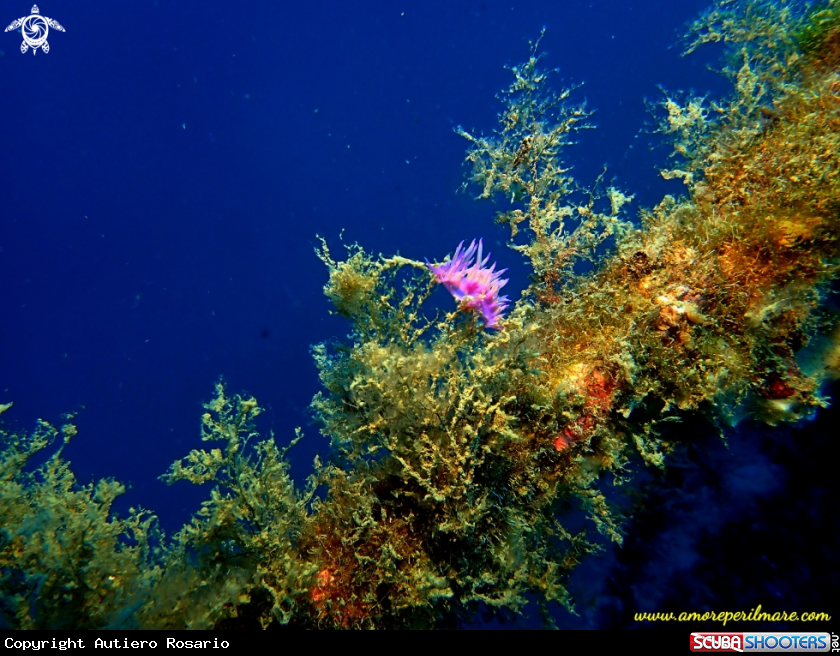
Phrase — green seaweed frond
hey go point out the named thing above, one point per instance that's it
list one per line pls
(382, 296)
(244, 537)
(65, 560)
(819, 35)
(522, 165)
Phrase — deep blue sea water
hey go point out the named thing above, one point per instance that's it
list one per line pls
(164, 172)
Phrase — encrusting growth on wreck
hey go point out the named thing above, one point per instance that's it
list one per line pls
(458, 450)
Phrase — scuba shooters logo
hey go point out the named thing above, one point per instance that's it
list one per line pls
(34, 29)
(747, 641)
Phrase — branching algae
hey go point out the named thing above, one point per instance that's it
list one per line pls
(460, 450)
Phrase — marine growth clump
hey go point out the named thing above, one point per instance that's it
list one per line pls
(463, 439)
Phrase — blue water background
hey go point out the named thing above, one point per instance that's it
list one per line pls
(166, 167)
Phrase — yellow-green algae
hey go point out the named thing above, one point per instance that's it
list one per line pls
(456, 451)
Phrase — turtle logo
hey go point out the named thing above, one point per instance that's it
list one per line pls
(34, 29)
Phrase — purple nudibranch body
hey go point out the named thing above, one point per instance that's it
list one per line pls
(474, 285)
